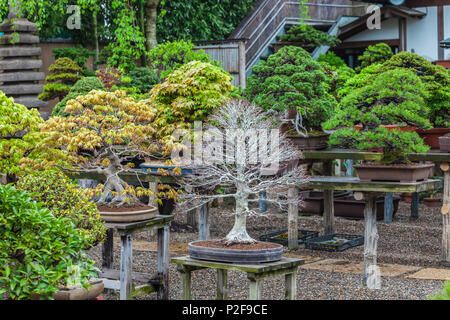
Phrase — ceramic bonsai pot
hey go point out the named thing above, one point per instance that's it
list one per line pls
(349, 208)
(432, 203)
(215, 250)
(80, 293)
(127, 215)
(313, 201)
(444, 143)
(431, 136)
(312, 142)
(395, 172)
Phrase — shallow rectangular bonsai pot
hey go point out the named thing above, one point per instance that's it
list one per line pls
(395, 172)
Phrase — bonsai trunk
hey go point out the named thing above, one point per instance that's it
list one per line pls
(239, 231)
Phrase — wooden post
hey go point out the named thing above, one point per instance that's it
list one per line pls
(191, 218)
(262, 203)
(108, 250)
(242, 65)
(371, 271)
(255, 289)
(222, 284)
(293, 220)
(153, 187)
(328, 212)
(388, 207)
(445, 250)
(186, 280)
(415, 206)
(349, 168)
(203, 222)
(163, 262)
(291, 285)
(126, 262)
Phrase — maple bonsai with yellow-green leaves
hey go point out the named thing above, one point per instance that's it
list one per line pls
(102, 133)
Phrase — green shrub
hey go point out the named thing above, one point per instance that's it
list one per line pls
(37, 250)
(444, 294)
(64, 73)
(377, 53)
(288, 79)
(308, 37)
(169, 56)
(332, 59)
(65, 199)
(78, 54)
(81, 88)
(142, 79)
(337, 72)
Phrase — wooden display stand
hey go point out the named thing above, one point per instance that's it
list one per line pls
(255, 273)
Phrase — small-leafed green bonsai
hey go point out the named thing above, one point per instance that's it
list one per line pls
(377, 53)
(308, 37)
(291, 80)
(64, 74)
(394, 98)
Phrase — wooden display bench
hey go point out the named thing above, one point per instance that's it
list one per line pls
(123, 279)
(255, 273)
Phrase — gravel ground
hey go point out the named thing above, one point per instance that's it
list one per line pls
(406, 242)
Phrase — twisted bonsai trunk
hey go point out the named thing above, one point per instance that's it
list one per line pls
(239, 231)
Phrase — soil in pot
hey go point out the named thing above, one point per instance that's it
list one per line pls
(432, 202)
(126, 214)
(219, 250)
(411, 172)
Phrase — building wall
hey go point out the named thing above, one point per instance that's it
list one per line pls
(447, 30)
(389, 30)
(422, 34)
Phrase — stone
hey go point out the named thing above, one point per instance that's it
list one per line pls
(21, 76)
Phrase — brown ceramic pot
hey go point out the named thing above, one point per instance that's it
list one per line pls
(444, 143)
(432, 203)
(402, 173)
(431, 136)
(314, 142)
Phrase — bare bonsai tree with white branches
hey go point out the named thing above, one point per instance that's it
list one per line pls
(244, 154)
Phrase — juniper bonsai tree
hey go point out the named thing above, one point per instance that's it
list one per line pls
(377, 53)
(394, 97)
(291, 79)
(65, 73)
(101, 132)
(242, 156)
(308, 37)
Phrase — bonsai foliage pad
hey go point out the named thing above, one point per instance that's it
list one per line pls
(396, 172)
(127, 215)
(216, 250)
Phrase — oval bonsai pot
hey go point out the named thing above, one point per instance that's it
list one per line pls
(432, 202)
(77, 292)
(274, 252)
(431, 136)
(399, 173)
(128, 215)
(444, 143)
(311, 142)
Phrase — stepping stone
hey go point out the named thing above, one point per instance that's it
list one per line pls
(432, 274)
(344, 266)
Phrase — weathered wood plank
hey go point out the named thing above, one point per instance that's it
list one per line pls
(255, 290)
(20, 52)
(186, 283)
(203, 222)
(22, 89)
(388, 207)
(222, 284)
(21, 76)
(445, 248)
(126, 262)
(291, 285)
(141, 225)
(262, 203)
(163, 261)
(328, 211)
(371, 271)
(415, 206)
(293, 220)
(23, 64)
(137, 276)
(108, 250)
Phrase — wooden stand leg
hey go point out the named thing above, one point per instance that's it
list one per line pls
(108, 250)
(262, 203)
(203, 222)
(349, 168)
(255, 289)
(191, 218)
(291, 285)
(388, 208)
(371, 271)
(292, 220)
(328, 211)
(445, 250)
(222, 284)
(163, 262)
(415, 206)
(126, 262)
(186, 283)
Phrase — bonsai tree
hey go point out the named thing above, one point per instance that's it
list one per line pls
(169, 56)
(104, 130)
(189, 94)
(110, 77)
(64, 199)
(377, 53)
(81, 88)
(64, 73)
(308, 37)
(395, 97)
(38, 251)
(242, 163)
(291, 79)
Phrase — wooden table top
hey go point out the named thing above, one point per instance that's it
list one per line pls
(158, 220)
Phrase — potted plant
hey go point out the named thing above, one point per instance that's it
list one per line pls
(394, 97)
(246, 166)
(102, 133)
(293, 87)
(41, 255)
(431, 200)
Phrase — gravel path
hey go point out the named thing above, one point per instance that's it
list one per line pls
(412, 243)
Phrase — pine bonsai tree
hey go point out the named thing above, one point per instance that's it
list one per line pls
(394, 97)
(291, 79)
(65, 73)
(308, 37)
(378, 53)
